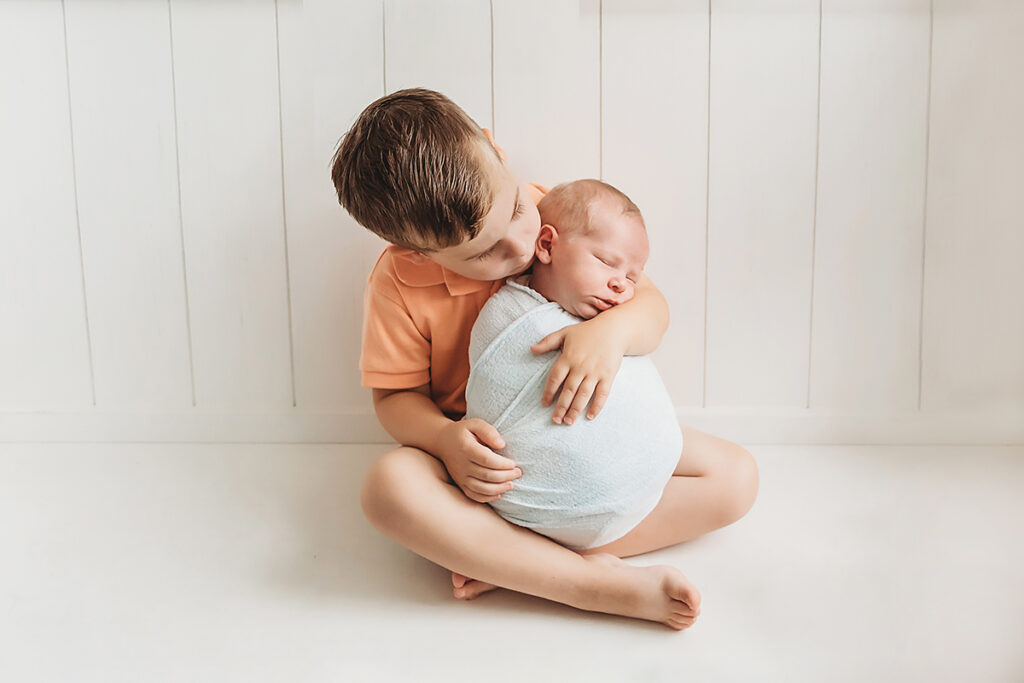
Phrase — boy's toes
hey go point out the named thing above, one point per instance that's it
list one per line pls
(472, 589)
(683, 609)
(680, 623)
(686, 593)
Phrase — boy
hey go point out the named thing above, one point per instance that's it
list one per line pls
(590, 484)
(416, 170)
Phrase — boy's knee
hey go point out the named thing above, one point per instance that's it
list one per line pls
(377, 493)
(748, 481)
(383, 490)
(744, 482)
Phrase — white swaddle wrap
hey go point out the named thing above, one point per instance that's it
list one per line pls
(585, 484)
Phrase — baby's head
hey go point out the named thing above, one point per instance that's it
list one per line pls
(592, 247)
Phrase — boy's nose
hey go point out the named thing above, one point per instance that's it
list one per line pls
(516, 251)
(617, 286)
(523, 247)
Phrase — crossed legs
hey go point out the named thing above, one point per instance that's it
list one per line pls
(408, 496)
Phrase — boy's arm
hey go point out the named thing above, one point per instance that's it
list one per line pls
(410, 416)
(464, 446)
(643, 319)
(592, 351)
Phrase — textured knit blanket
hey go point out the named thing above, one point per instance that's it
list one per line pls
(585, 484)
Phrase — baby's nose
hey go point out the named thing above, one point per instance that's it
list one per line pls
(617, 286)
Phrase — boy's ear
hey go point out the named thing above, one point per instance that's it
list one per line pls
(418, 258)
(545, 243)
(501, 152)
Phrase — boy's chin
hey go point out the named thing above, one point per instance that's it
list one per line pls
(522, 269)
(518, 270)
(484, 276)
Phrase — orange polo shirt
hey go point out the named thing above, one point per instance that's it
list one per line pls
(417, 318)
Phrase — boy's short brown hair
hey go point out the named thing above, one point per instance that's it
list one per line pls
(412, 170)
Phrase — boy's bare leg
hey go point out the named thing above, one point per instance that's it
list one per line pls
(407, 496)
(714, 484)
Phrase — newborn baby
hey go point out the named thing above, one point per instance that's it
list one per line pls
(589, 483)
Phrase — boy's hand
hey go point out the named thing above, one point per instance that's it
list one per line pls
(465, 447)
(592, 353)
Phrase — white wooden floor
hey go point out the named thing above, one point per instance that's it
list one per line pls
(199, 562)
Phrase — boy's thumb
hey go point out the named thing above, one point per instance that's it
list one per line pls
(549, 343)
(487, 434)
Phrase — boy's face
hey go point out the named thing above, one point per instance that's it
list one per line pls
(504, 246)
(592, 272)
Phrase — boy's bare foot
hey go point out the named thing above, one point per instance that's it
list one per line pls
(466, 588)
(659, 593)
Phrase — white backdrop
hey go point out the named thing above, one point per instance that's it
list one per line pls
(832, 188)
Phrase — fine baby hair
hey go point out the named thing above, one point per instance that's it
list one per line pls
(569, 206)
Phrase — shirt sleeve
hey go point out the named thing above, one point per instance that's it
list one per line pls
(395, 355)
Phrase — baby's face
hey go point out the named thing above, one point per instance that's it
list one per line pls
(592, 272)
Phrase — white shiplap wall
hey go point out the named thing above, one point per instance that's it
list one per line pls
(831, 186)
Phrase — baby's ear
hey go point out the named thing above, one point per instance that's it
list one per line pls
(545, 243)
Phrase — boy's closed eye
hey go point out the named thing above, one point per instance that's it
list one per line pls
(520, 209)
(486, 254)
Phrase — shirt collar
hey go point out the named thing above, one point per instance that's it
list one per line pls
(414, 270)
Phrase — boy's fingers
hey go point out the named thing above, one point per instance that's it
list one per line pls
(500, 476)
(572, 383)
(549, 343)
(488, 459)
(486, 433)
(580, 401)
(486, 488)
(472, 494)
(555, 379)
(600, 396)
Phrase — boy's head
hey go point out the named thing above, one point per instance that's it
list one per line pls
(592, 247)
(417, 171)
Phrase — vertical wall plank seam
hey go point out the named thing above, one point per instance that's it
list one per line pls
(384, 44)
(284, 206)
(74, 186)
(491, 3)
(814, 220)
(600, 89)
(181, 220)
(707, 224)
(924, 213)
